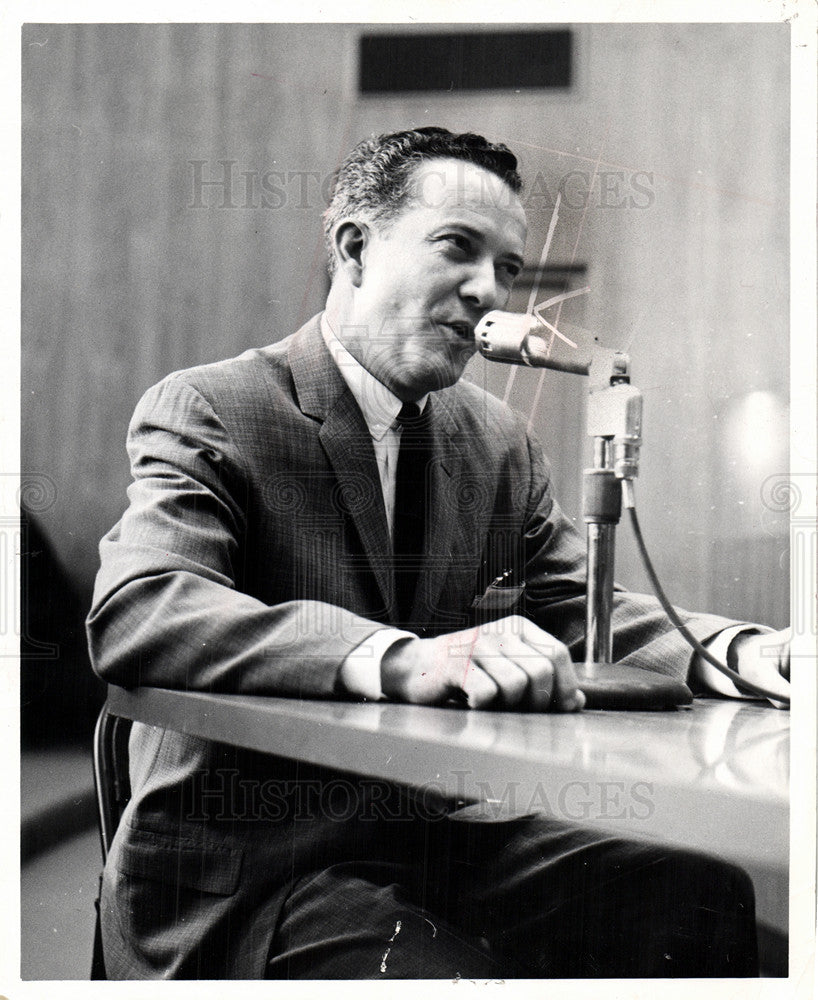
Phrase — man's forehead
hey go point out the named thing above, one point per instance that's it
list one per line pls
(447, 181)
(452, 188)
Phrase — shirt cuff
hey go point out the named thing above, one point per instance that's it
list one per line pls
(714, 680)
(361, 671)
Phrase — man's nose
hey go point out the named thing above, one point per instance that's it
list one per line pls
(480, 287)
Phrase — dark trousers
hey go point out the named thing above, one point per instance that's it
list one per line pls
(465, 897)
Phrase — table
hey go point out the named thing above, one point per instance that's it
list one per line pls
(712, 776)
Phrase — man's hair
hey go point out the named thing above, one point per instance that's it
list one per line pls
(374, 180)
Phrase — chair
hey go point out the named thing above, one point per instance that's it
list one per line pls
(113, 791)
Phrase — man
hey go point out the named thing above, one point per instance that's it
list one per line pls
(269, 548)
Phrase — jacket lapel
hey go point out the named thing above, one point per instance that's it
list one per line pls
(344, 436)
(322, 393)
(445, 526)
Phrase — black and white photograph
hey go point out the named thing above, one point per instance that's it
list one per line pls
(411, 506)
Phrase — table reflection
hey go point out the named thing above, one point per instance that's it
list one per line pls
(738, 746)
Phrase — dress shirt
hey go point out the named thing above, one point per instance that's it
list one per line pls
(380, 409)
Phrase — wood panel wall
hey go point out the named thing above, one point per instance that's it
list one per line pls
(671, 153)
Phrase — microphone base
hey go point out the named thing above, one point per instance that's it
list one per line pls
(616, 687)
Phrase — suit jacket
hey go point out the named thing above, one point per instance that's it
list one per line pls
(253, 558)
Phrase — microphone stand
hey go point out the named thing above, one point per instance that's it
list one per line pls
(614, 421)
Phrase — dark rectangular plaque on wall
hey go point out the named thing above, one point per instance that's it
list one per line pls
(457, 61)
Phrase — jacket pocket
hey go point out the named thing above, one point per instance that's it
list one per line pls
(182, 862)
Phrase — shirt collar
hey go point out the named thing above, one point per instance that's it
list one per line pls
(379, 406)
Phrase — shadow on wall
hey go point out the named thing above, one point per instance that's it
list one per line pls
(59, 694)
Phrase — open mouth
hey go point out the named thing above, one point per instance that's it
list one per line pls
(463, 330)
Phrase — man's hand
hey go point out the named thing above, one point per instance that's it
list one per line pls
(508, 664)
(764, 660)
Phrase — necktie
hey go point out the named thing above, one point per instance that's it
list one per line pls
(409, 520)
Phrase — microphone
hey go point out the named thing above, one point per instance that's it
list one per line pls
(517, 339)
(614, 409)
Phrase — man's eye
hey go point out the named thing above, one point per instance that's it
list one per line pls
(510, 271)
(459, 242)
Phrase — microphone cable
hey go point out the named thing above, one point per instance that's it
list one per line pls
(740, 682)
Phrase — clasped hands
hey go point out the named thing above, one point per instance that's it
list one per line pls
(510, 663)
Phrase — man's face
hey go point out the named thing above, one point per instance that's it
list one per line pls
(431, 272)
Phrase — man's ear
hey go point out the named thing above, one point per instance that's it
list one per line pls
(350, 241)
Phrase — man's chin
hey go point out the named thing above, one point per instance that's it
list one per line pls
(436, 372)
(419, 369)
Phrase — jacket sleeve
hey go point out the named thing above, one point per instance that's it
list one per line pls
(555, 591)
(166, 611)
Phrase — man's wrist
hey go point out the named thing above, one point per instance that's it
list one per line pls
(360, 673)
(724, 646)
(397, 666)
